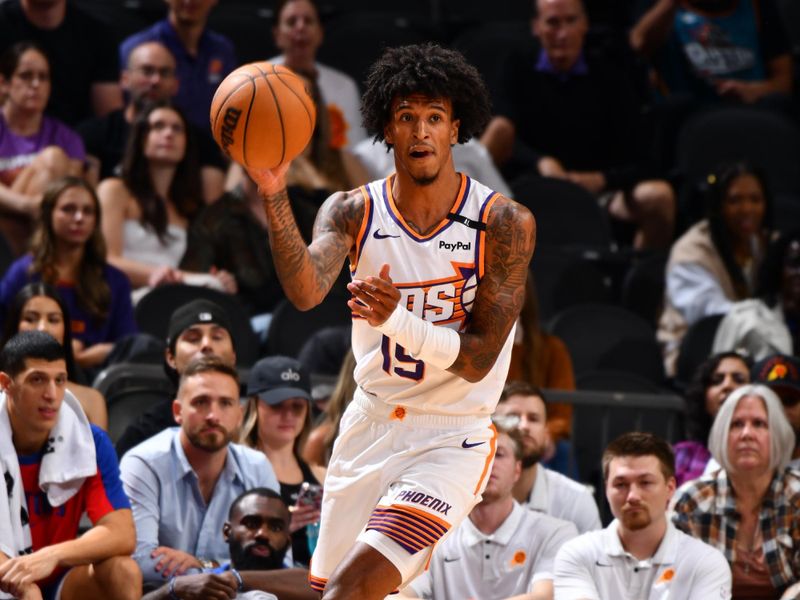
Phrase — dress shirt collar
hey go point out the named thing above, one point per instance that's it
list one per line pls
(501, 536)
(666, 553)
(543, 65)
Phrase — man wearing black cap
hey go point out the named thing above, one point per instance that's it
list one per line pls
(198, 328)
(781, 373)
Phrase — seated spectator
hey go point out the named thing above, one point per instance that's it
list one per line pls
(85, 76)
(713, 382)
(257, 534)
(198, 328)
(523, 407)
(781, 374)
(182, 481)
(147, 211)
(319, 445)
(779, 281)
(502, 549)
(298, 35)
(39, 306)
(57, 466)
(148, 76)
(35, 149)
(750, 508)
(715, 263)
(203, 57)
(231, 235)
(543, 361)
(277, 422)
(724, 50)
(567, 113)
(640, 554)
(69, 252)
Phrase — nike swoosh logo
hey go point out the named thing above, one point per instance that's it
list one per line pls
(446, 559)
(382, 236)
(466, 444)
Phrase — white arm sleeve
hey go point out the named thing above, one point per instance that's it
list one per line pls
(437, 346)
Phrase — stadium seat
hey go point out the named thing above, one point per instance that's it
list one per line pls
(616, 381)
(290, 327)
(248, 26)
(643, 287)
(606, 337)
(695, 348)
(130, 389)
(153, 312)
(566, 215)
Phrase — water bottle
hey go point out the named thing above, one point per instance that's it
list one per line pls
(312, 534)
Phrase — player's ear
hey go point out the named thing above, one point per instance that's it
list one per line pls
(387, 135)
(454, 125)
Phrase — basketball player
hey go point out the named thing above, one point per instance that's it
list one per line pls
(438, 264)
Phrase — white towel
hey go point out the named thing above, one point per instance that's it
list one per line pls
(68, 460)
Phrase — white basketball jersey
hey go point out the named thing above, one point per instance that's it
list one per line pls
(437, 275)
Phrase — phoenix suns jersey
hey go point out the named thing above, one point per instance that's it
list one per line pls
(437, 275)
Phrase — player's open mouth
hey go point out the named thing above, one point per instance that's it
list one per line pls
(420, 153)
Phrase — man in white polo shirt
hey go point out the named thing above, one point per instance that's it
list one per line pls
(640, 555)
(523, 407)
(503, 549)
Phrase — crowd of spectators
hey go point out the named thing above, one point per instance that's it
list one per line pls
(111, 185)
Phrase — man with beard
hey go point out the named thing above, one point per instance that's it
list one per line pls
(502, 550)
(257, 533)
(182, 481)
(640, 554)
(523, 406)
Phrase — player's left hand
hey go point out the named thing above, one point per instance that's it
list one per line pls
(21, 571)
(374, 298)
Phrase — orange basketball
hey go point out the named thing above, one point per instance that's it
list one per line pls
(262, 116)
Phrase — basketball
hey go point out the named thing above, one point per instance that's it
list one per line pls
(262, 116)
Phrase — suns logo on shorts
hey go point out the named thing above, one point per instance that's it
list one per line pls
(442, 301)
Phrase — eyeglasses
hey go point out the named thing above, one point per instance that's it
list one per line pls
(150, 71)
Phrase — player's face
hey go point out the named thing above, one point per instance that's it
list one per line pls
(505, 470)
(531, 420)
(29, 87)
(202, 339)
(422, 131)
(280, 424)
(637, 491)
(166, 137)
(258, 533)
(561, 26)
(43, 314)
(208, 410)
(74, 216)
(748, 437)
(35, 396)
(743, 208)
(151, 73)
(298, 33)
(191, 12)
(730, 374)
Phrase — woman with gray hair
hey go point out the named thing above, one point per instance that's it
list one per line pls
(749, 509)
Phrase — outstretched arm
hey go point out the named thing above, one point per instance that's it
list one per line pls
(308, 272)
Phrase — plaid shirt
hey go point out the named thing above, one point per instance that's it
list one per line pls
(706, 509)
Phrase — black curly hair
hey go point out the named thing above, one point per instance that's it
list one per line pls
(433, 71)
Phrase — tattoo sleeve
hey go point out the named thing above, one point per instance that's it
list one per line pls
(511, 237)
(308, 272)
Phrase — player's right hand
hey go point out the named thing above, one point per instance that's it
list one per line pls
(374, 298)
(269, 181)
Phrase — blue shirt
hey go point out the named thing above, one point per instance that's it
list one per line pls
(168, 507)
(199, 75)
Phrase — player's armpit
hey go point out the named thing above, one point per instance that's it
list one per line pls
(510, 240)
(308, 272)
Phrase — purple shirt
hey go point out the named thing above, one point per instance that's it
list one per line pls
(543, 65)
(89, 330)
(17, 152)
(198, 76)
(691, 458)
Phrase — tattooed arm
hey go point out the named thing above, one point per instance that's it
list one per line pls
(510, 239)
(308, 272)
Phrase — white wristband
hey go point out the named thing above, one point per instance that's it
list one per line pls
(437, 346)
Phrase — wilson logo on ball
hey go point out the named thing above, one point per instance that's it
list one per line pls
(229, 126)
